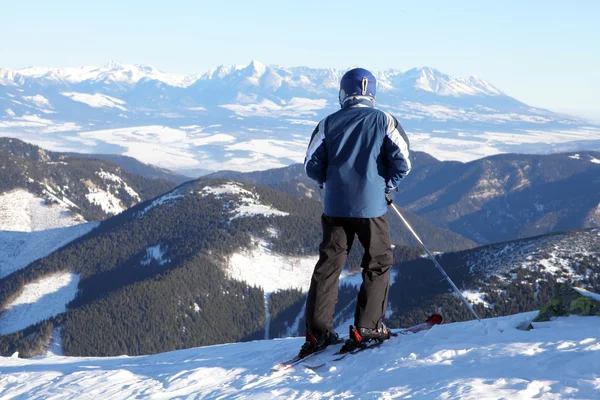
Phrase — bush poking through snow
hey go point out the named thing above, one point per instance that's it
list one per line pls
(569, 301)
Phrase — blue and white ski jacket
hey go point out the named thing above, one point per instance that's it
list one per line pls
(356, 153)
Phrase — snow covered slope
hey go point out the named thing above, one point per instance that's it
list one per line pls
(489, 360)
(39, 301)
(31, 229)
(261, 116)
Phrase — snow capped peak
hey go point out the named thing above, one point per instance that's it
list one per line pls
(256, 67)
(432, 80)
(112, 65)
(112, 72)
(255, 74)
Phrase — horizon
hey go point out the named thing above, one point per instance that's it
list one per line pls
(588, 114)
(538, 51)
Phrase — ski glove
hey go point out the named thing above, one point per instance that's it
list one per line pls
(389, 190)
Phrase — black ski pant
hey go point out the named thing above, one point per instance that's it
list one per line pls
(338, 235)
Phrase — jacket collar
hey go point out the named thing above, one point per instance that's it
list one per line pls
(358, 101)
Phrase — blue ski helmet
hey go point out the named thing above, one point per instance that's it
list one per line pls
(357, 82)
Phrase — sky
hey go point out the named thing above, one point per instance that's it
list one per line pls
(545, 53)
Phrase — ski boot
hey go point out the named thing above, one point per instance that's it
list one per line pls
(315, 343)
(359, 337)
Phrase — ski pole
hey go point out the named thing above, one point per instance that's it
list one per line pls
(438, 266)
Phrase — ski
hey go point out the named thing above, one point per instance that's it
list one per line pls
(433, 320)
(297, 360)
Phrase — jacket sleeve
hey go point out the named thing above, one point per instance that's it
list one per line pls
(397, 148)
(315, 163)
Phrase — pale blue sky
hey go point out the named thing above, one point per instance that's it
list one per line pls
(546, 53)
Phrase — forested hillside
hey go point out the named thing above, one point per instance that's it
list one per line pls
(497, 198)
(92, 188)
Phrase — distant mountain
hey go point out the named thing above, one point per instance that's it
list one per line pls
(91, 188)
(133, 166)
(493, 199)
(258, 117)
(507, 196)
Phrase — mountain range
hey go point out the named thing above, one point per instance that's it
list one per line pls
(257, 117)
(215, 260)
(493, 199)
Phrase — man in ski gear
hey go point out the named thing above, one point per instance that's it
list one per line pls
(357, 153)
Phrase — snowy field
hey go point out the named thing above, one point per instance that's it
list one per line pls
(246, 149)
(491, 360)
(271, 271)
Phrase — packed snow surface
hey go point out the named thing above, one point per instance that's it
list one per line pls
(39, 300)
(471, 360)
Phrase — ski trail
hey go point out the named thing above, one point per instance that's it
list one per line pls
(55, 345)
(339, 322)
(268, 315)
(295, 328)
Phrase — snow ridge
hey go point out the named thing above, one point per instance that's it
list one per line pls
(469, 360)
(254, 74)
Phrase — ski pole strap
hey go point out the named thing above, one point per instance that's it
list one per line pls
(388, 200)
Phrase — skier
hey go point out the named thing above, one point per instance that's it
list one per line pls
(358, 153)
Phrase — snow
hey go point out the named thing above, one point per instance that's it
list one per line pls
(586, 293)
(475, 297)
(594, 160)
(39, 125)
(96, 100)
(157, 254)
(164, 199)
(39, 300)
(19, 249)
(31, 229)
(106, 200)
(38, 100)
(294, 150)
(55, 345)
(266, 114)
(111, 72)
(118, 183)
(296, 107)
(268, 315)
(470, 360)
(218, 138)
(248, 203)
(260, 267)
(23, 211)
(575, 157)
(152, 144)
